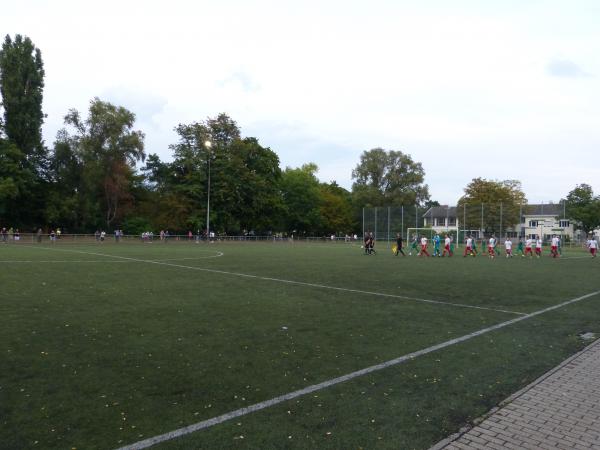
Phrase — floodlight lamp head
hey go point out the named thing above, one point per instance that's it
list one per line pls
(207, 144)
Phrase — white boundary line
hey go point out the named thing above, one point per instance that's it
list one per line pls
(576, 257)
(328, 383)
(300, 283)
(15, 261)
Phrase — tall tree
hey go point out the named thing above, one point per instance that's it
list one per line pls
(108, 148)
(191, 165)
(388, 178)
(15, 182)
(22, 86)
(497, 203)
(336, 209)
(584, 208)
(23, 155)
(301, 197)
(244, 178)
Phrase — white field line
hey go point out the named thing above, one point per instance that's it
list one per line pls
(299, 283)
(16, 261)
(328, 383)
(576, 257)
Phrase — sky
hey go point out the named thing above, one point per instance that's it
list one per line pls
(496, 89)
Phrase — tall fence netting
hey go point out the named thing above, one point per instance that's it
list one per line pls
(480, 221)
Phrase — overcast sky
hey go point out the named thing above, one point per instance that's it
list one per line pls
(500, 90)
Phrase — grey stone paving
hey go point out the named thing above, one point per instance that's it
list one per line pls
(561, 410)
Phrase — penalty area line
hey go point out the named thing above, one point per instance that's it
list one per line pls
(328, 383)
(299, 283)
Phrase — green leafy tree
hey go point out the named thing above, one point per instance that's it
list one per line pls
(336, 209)
(190, 169)
(66, 203)
(22, 86)
(244, 179)
(388, 178)
(584, 208)
(247, 186)
(301, 197)
(107, 149)
(501, 200)
(14, 184)
(24, 188)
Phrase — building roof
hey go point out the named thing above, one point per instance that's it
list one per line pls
(548, 209)
(440, 211)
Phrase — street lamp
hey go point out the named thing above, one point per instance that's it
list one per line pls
(208, 145)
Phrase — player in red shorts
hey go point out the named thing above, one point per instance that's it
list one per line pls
(554, 247)
(424, 247)
(593, 246)
(508, 247)
(469, 247)
(491, 246)
(528, 251)
(538, 247)
(447, 249)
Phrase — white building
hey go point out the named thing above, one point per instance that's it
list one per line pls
(546, 220)
(441, 219)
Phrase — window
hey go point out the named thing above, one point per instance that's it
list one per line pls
(451, 221)
(533, 223)
(564, 223)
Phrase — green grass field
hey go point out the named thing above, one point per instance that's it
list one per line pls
(106, 345)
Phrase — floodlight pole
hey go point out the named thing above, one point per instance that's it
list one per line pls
(208, 145)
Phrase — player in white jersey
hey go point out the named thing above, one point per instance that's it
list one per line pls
(528, 244)
(491, 246)
(554, 247)
(593, 246)
(423, 247)
(447, 249)
(538, 247)
(508, 247)
(469, 247)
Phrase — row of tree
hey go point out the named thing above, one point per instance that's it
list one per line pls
(97, 174)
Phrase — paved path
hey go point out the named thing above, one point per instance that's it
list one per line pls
(560, 410)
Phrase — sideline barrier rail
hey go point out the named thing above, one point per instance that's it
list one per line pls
(32, 238)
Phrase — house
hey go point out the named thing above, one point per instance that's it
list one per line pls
(546, 220)
(441, 219)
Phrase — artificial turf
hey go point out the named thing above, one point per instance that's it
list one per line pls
(100, 348)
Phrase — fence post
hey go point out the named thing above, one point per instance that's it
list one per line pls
(375, 231)
(500, 221)
(482, 221)
(388, 233)
(363, 225)
(464, 222)
(402, 223)
(416, 216)
(520, 220)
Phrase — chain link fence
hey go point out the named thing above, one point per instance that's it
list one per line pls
(479, 221)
